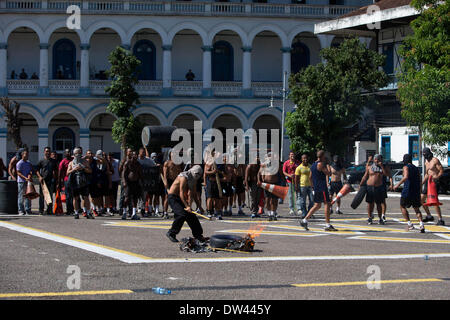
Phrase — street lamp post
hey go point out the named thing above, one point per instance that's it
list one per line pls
(284, 93)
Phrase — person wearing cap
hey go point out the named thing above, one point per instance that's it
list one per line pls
(433, 169)
(374, 176)
(411, 191)
(185, 182)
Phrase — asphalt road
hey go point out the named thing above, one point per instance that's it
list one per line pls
(289, 263)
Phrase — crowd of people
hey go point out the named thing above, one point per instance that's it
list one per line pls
(149, 183)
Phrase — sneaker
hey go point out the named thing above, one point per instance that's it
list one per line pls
(254, 215)
(369, 221)
(270, 218)
(422, 229)
(171, 237)
(381, 222)
(22, 213)
(291, 212)
(440, 222)
(219, 218)
(383, 217)
(275, 218)
(95, 213)
(339, 212)
(166, 216)
(135, 217)
(330, 228)
(90, 216)
(77, 215)
(304, 225)
(428, 218)
(410, 227)
(124, 216)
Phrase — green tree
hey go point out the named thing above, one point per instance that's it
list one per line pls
(126, 129)
(329, 96)
(423, 89)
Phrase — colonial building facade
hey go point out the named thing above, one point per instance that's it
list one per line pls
(218, 62)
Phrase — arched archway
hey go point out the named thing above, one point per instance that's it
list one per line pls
(145, 51)
(29, 135)
(266, 46)
(300, 56)
(148, 119)
(63, 130)
(222, 61)
(185, 121)
(100, 137)
(102, 42)
(23, 54)
(184, 60)
(64, 59)
(269, 122)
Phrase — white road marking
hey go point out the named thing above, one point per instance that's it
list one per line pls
(443, 235)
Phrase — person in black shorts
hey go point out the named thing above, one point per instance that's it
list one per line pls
(337, 171)
(375, 188)
(131, 175)
(319, 172)
(78, 171)
(411, 192)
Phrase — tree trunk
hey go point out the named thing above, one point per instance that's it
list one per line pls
(13, 120)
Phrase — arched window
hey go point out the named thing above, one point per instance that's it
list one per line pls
(64, 59)
(222, 62)
(63, 138)
(299, 57)
(145, 51)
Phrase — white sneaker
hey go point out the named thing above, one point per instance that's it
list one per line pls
(21, 213)
(291, 212)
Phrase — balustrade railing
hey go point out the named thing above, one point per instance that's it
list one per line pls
(182, 7)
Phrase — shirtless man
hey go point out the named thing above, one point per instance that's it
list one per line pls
(12, 171)
(170, 173)
(251, 186)
(122, 194)
(434, 170)
(268, 176)
(212, 187)
(178, 200)
(228, 186)
(77, 170)
(337, 171)
(131, 174)
(375, 188)
(239, 186)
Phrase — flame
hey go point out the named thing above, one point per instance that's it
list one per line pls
(255, 230)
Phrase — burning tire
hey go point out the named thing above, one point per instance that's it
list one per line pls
(223, 240)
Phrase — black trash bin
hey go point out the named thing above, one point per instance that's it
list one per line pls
(8, 197)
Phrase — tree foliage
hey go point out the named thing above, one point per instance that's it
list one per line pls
(13, 120)
(329, 96)
(423, 89)
(123, 97)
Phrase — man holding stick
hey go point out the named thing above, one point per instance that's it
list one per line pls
(178, 199)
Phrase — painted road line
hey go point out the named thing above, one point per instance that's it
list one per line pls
(416, 240)
(58, 294)
(398, 195)
(363, 283)
(273, 233)
(125, 256)
(300, 258)
(370, 228)
(445, 236)
(317, 230)
(130, 257)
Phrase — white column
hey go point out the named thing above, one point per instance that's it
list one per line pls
(286, 53)
(84, 139)
(43, 70)
(206, 91)
(247, 71)
(3, 70)
(42, 140)
(167, 70)
(84, 70)
(325, 41)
